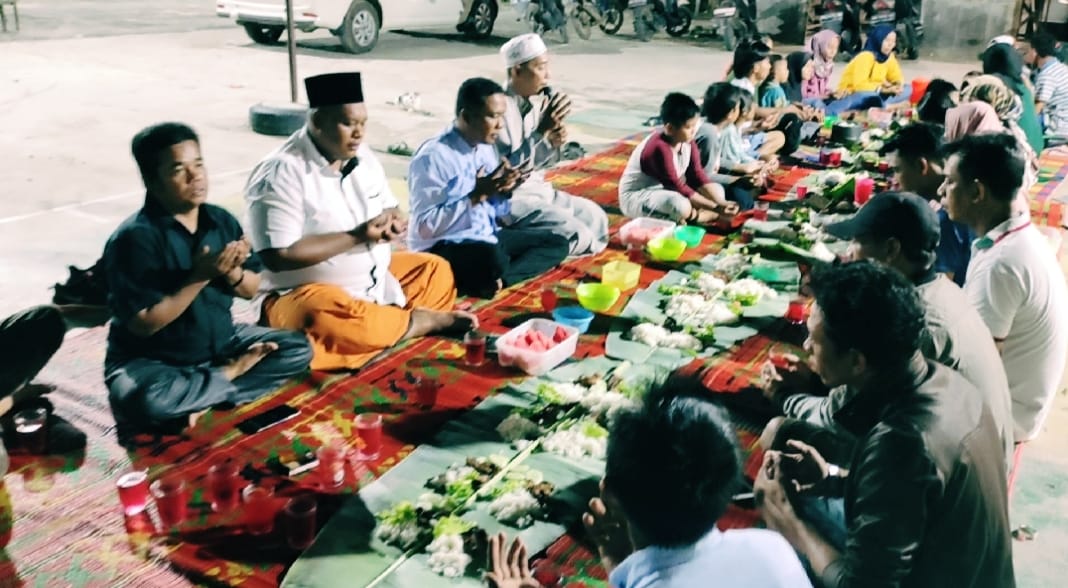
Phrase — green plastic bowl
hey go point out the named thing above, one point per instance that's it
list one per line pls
(691, 235)
(597, 297)
(666, 248)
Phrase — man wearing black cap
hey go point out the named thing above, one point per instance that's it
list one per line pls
(916, 155)
(322, 217)
(899, 230)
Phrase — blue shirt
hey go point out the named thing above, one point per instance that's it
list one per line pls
(149, 257)
(954, 248)
(441, 178)
(773, 96)
(747, 558)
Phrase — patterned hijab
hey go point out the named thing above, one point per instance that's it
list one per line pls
(816, 45)
(994, 91)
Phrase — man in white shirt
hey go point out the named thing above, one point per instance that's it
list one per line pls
(532, 136)
(322, 217)
(1013, 278)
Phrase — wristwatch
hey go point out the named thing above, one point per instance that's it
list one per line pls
(834, 483)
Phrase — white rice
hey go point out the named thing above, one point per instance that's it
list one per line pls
(657, 336)
(731, 264)
(572, 443)
(710, 285)
(447, 556)
(696, 311)
(602, 402)
(748, 287)
(402, 536)
(517, 508)
(429, 501)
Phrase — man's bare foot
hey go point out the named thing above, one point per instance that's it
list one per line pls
(241, 364)
(24, 394)
(609, 532)
(426, 322)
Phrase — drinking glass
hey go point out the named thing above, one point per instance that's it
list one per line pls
(259, 509)
(172, 500)
(474, 348)
(133, 491)
(31, 429)
(224, 483)
(299, 516)
(369, 429)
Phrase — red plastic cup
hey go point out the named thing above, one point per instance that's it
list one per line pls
(369, 429)
(172, 501)
(133, 492)
(548, 298)
(332, 463)
(884, 167)
(797, 311)
(825, 157)
(635, 254)
(31, 430)
(745, 237)
(224, 484)
(474, 348)
(862, 190)
(426, 392)
(299, 519)
(259, 509)
(802, 192)
(835, 158)
(760, 210)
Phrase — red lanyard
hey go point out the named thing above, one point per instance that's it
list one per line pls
(1011, 231)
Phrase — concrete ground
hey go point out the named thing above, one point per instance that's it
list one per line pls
(83, 77)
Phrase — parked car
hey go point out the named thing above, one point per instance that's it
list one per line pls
(357, 22)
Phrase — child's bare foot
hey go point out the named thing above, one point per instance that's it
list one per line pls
(241, 364)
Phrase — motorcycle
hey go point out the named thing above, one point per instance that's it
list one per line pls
(554, 15)
(729, 22)
(653, 15)
(611, 15)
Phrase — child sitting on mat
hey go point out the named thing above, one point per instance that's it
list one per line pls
(772, 94)
(664, 177)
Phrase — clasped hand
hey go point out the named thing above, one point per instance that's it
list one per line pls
(207, 265)
(502, 180)
(387, 226)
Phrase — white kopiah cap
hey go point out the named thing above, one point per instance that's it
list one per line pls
(522, 49)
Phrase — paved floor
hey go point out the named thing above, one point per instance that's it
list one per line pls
(69, 106)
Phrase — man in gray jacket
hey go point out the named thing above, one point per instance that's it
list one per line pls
(900, 230)
(531, 139)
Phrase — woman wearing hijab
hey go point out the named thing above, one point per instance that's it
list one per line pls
(1007, 106)
(824, 47)
(873, 78)
(1005, 62)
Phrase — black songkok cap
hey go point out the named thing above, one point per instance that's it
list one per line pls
(334, 89)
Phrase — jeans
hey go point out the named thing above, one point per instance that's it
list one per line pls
(866, 100)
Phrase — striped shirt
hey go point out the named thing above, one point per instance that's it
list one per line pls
(1051, 89)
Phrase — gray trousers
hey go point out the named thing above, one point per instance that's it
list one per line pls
(538, 205)
(27, 341)
(146, 393)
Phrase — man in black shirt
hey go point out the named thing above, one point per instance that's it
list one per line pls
(173, 269)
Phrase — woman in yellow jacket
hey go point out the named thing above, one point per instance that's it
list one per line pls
(873, 78)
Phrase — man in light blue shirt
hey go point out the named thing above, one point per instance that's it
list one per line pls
(672, 467)
(459, 186)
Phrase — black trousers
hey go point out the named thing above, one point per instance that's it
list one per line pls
(518, 255)
(147, 394)
(27, 341)
(790, 125)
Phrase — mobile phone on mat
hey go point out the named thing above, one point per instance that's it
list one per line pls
(268, 419)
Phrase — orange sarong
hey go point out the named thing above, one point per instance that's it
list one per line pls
(346, 333)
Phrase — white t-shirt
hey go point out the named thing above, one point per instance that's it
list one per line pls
(294, 193)
(1017, 286)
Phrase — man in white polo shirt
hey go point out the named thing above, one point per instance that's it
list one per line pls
(532, 137)
(1013, 279)
(322, 218)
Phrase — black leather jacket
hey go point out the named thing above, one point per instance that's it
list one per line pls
(926, 500)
